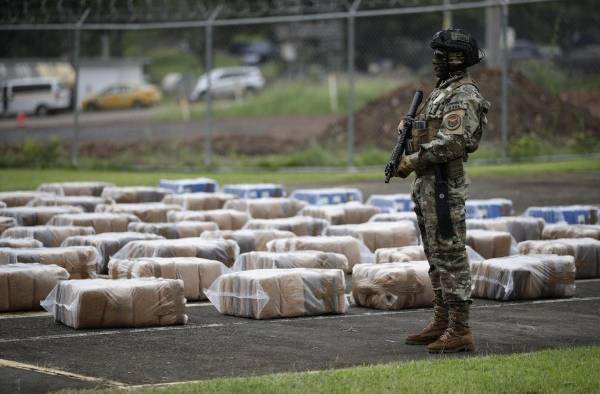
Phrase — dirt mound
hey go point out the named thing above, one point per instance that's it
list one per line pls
(532, 110)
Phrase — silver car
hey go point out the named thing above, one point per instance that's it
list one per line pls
(229, 81)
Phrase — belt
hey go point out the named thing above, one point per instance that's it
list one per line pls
(454, 169)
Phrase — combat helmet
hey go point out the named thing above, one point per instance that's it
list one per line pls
(453, 40)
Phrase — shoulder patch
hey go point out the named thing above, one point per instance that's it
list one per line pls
(453, 122)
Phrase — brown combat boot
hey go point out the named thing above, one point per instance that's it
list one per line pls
(457, 337)
(436, 327)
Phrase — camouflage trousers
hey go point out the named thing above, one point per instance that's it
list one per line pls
(448, 263)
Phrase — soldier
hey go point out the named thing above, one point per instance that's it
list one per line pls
(446, 129)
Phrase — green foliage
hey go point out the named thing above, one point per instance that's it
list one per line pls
(38, 154)
(544, 73)
(371, 157)
(169, 59)
(528, 146)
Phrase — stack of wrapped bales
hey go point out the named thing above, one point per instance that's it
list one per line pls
(79, 261)
(35, 216)
(522, 228)
(199, 201)
(226, 219)
(267, 208)
(287, 260)
(556, 231)
(379, 234)
(249, 240)
(19, 243)
(174, 230)
(20, 198)
(50, 236)
(74, 188)
(490, 243)
(101, 222)
(147, 212)
(414, 253)
(348, 213)
(87, 203)
(6, 223)
(395, 217)
(299, 225)
(135, 194)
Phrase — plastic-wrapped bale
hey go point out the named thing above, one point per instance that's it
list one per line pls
(389, 203)
(414, 253)
(23, 286)
(199, 201)
(87, 203)
(104, 303)
(267, 208)
(174, 230)
(101, 222)
(355, 250)
(135, 194)
(556, 231)
(392, 285)
(49, 236)
(380, 234)
(75, 188)
(272, 293)
(3, 204)
(19, 243)
(520, 277)
(326, 196)
(492, 207)
(299, 225)
(189, 185)
(586, 252)
(570, 214)
(255, 190)
(287, 260)
(79, 261)
(197, 274)
(491, 244)
(223, 250)
(226, 219)
(151, 212)
(35, 216)
(349, 213)
(108, 244)
(395, 217)
(6, 223)
(522, 228)
(249, 240)
(20, 198)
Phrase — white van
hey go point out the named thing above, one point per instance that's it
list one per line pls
(37, 96)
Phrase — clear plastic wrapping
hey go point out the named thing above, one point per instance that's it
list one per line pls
(520, 277)
(3, 204)
(87, 203)
(249, 240)
(79, 261)
(226, 219)
(255, 190)
(492, 207)
(395, 217)
(35, 216)
(570, 214)
(104, 303)
(490, 243)
(522, 228)
(6, 223)
(20, 198)
(189, 185)
(272, 293)
(355, 250)
(197, 274)
(101, 222)
(199, 201)
(151, 212)
(50, 236)
(326, 196)
(392, 285)
(390, 203)
(299, 225)
(135, 194)
(267, 208)
(23, 286)
(586, 252)
(414, 253)
(75, 188)
(287, 260)
(225, 251)
(556, 231)
(348, 213)
(377, 235)
(174, 230)
(107, 244)
(19, 243)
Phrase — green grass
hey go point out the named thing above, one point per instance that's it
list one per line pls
(288, 98)
(570, 370)
(24, 178)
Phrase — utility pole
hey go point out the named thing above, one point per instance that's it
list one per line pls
(350, 115)
(75, 142)
(208, 52)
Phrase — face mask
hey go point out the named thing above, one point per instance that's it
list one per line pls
(440, 64)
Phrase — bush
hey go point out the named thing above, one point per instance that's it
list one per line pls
(527, 146)
(42, 154)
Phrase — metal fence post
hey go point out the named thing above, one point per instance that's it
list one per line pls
(75, 142)
(208, 60)
(350, 115)
(504, 87)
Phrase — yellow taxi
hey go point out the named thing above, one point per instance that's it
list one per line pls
(123, 95)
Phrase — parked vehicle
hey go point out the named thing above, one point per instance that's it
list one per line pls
(37, 95)
(229, 81)
(123, 95)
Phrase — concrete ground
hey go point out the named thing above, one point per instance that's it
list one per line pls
(38, 355)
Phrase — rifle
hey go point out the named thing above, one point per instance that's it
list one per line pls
(403, 137)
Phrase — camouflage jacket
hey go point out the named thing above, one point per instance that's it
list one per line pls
(450, 124)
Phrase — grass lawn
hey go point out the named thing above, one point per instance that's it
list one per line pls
(26, 179)
(569, 370)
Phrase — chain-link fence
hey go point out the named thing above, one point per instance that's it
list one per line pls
(292, 83)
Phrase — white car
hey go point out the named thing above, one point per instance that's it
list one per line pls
(36, 95)
(229, 81)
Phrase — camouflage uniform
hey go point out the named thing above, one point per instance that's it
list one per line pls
(448, 127)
